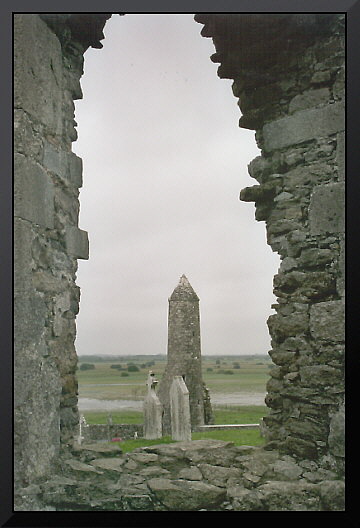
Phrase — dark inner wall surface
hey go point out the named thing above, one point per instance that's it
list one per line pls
(48, 243)
(289, 78)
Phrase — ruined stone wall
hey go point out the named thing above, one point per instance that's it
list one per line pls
(202, 475)
(48, 243)
(105, 433)
(291, 91)
(288, 73)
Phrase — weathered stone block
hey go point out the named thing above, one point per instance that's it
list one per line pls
(36, 389)
(69, 384)
(286, 470)
(309, 99)
(310, 395)
(23, 239)
(289, 496)
(259, 168)
(77, 242)
(327, 321)
(321, 77)
(280, 227)
(67, 205)
(30, 313)
(243, 499)
(64, 164)
(76, 465)
(319, 375)
(46, 282)
(191, 473)
(108, 464)
(27, 369)
(38, 74)
(314, 257)
(144, 458)
(318, 285)
(303, 126)
(27, 141)
(300, 447)
(155, 471)
(54, 160)
(282, 327)
(34, 193)
(312, 430)
(217, 475)
(259, 193)
(141, 502)
(283, 197)
(319, 475)
(68, 417)
(286, 210)
(258, 462)
(208, 451)
(327, 209)
(332, 493)
(274, 385)
(336, 437)
(288, 264)
(75, 169)
(186, 494)
(282, 357)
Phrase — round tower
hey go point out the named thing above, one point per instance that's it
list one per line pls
(184, 352)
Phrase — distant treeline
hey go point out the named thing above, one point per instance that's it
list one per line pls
(137, 357)
(162, 357)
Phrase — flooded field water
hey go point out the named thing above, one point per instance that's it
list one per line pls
(92, 404)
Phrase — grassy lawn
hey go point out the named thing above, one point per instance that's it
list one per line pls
(118, 417)
(247, 437)
(234, 414)
(247, 379)
(239, 414)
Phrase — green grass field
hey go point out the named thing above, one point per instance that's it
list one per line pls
(248, 437)
(234, 414)
(232, 374)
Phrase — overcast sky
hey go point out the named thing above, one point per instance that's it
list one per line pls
(164, 162)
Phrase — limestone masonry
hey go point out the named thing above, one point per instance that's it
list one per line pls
(288, 72)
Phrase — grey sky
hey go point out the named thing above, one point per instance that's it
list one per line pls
(164, 162)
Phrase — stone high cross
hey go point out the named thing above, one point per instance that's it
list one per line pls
(151, 381)
(180, 410)
(152, 410)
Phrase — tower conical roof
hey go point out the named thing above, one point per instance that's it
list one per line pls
(183, 291)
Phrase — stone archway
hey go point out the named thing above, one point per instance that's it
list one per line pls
(288, 72)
